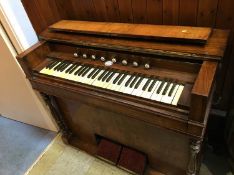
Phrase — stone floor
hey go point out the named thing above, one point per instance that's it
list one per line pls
(61, 159)
(20, 146)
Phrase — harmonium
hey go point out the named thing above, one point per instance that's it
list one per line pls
(135, 95)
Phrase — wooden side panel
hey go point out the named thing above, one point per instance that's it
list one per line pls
(154, 11)
(171, 12)
(112, 10)
(207, 10)
(139, 11)
(125, 10)
(188, 12)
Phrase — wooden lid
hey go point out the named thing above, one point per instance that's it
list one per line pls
(138, 31)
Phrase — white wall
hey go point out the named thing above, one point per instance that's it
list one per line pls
(18, 100)
(19, 21)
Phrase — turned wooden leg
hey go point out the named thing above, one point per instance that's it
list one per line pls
(51, 102)
(193, 161)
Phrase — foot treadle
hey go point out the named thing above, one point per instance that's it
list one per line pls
(132, 161)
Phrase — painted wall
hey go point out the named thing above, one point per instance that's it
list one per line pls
(18, 100)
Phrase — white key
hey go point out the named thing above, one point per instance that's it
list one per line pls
(111, 80)
(45, 70)
(85, 78)
(165, 98)
(64, 74)
(109, 85)
(91, 81)
(128, 90)
(97, 82)
(72, 76)
(122, 86)
(100, 83)
(177, 95)
(156, 96)
(145, 93)
(170, 99)
(78, 78)
(104, 83)
(115, 86)
(139, 91)
(50, 71)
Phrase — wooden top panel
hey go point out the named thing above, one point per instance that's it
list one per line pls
(139, 31)
(213, 50)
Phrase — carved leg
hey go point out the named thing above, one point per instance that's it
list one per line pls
(193, 162)
(51, 102)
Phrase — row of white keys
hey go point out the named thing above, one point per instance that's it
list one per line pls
(146, 93)
(138, 91)
(128, 89)
(168, 99)
(177, 95)
(157, 96)
(116, 86)
(107, 85)
(49, 71)
(122, 85)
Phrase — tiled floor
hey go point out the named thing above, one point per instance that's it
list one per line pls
(20, 146)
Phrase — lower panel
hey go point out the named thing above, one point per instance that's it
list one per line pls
(167, 151)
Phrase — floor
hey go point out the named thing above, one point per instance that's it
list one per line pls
(20, 146)
(61, 159)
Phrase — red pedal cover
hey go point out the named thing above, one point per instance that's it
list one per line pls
(132, 161)
(109, 151)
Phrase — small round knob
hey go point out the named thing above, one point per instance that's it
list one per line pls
(75, 54)
(114, 60)
(124, 62)
(147, 65)
(135, 64)
(103, 59)
(84, 55)
(93, 57)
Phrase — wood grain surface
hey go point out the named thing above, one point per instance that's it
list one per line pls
(144, 31)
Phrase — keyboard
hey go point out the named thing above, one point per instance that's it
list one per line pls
(135, 84)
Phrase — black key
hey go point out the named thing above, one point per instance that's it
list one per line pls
(172, 89)
(73, 69)
(86, 71)
(129, 80)
(138, 82)
(70, 68)
(52, 64)
(160, 87)
(64, 67)
(96, 73)
(166, 88)
(146, 84)
(152, 85)
(122, 79)
(134, 81)
(58, 66)
(83, 70)
(117, 78)
(110, 77)
(106, 76)
(92, 72)
(79, 70)
(102, 75)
